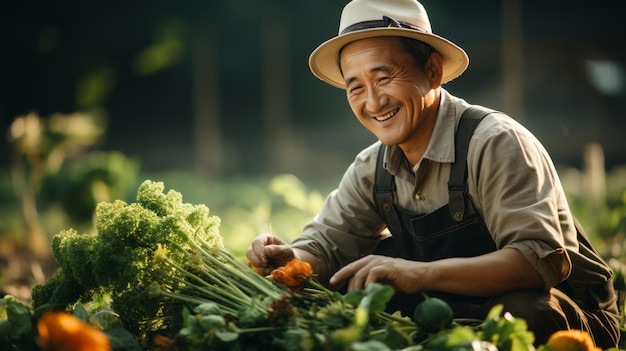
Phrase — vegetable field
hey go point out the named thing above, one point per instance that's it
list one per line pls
(131, 260)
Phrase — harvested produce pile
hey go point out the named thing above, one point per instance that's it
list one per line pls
(155, 276)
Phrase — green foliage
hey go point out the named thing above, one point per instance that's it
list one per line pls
(82, 182)
(506, 331)
(313, 321)
(56, 178)
(373, 299)
(120, 260)
(498, 332)
(15, 324)
(58, 292)
(604, 219)
(74, 253)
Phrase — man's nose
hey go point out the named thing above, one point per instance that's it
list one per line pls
(375, 100)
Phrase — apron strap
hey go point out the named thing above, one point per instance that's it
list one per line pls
(385, 185)
(457, 183)
(384, 193)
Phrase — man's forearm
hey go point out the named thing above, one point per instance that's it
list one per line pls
(491, 274)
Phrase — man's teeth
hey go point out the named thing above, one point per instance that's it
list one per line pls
(386, 117)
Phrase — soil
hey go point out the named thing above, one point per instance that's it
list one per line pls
(21, 269)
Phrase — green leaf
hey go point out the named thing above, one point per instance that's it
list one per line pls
(506, 332)
(371, 345)
(122, 340)
(495, 312)
(17, 324)
(299, 340)
(208, 308)
(392, 338)
(376, 297)
(345, 336)
(521, 338)
(227, 336)
(80, 312)
(106, 319)
(334, 322)
(211, 322)
(354, 297)
(447, 339)
(251, 317)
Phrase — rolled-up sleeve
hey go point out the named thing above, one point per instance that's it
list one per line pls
(517, 190)
(552, 264)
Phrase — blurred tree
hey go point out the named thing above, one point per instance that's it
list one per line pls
(60, 177)
(40, 147)
(207, 134)
(277, 115)
(512, 59)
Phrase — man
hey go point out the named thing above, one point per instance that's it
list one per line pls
(509, 238)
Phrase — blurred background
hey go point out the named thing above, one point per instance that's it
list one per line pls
(215, 98)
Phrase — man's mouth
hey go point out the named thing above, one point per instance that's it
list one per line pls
(386, 116)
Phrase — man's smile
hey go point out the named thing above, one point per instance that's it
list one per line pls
(386, 116)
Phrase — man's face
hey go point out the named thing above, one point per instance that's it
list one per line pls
(390, 95)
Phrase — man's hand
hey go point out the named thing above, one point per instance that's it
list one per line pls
(267, 252)
(402, 275)
(491, 274)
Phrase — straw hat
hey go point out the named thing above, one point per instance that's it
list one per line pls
(375, 18)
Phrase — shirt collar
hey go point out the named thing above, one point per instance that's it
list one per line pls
(441, 146)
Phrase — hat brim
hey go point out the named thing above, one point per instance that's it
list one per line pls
(324, 59)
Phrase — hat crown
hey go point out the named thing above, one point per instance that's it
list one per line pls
(363, 19)
(409, 11)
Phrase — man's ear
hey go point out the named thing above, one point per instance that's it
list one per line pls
(434, 69)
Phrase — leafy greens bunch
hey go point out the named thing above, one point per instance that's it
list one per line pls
(147, 260)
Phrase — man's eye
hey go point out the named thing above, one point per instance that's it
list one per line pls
(355, 89)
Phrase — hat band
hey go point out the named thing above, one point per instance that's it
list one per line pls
(386, 22)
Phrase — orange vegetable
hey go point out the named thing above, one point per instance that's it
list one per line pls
(61, 331)
(294, 274)
(164, 343)
(572, 340)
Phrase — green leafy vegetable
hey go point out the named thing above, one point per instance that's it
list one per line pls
(432, 315)
(15, 321)
(150, 258)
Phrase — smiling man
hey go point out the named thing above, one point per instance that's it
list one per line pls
(454, 200)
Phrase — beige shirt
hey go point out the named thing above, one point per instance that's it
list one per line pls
(511, 180)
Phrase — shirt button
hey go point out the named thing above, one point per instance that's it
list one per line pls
(419, 197)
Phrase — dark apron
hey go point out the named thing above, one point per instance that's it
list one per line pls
(454, 230)
(433, 237)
